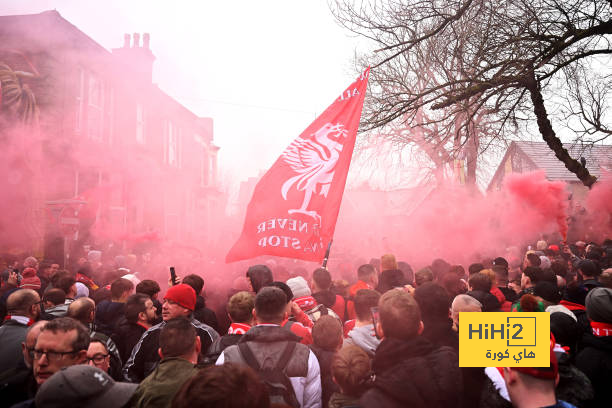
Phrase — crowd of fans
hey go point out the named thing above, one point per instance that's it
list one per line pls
(388, 337)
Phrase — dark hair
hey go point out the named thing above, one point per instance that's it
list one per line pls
(351, 369)
(270, 304)
(501, 274)
(423, 275)
(66, 324)
(453, 285)
(534, 260)
(327, 333)
(284, 287)
(260, 276)
(240, 307)
(480, 281)
(120, 286)
(433, 301)
(135, 305)
(195, 281)
(322, 278)
(559, 268)
(407, 271)
(548, 291)
(589, 268)
(86, 270)
(457, 270)
(55, 296)
(439, 267)
(365, 271)
(365, 300)
(533, 273)
(225, 386)
(475, 268)
(399, 315)
(148, 287)
(499, 261)
(177, 337)
(63, 280)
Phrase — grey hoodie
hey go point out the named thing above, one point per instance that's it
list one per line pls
(364, 338)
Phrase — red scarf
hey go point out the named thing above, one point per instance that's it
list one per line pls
(20, 319)
(238, 328)
(87, 281)
(306, 302)
(572, 306)
(601, 329)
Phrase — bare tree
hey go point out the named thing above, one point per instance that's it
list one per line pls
(487, 57)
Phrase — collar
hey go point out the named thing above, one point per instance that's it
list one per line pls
(600, 329)
(238, 328)
(20, 319)
(572, 305)
(143, 326)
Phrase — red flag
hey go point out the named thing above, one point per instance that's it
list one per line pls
(295, 205)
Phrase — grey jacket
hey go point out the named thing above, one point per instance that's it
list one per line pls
(363, 338)
(12, 334)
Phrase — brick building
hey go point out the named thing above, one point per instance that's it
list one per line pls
(101, 144)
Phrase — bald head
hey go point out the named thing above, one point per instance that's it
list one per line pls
(30, 340)
(463, 303)
(23, 302)
(82, 310)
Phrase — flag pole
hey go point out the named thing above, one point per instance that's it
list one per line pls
(324, 265)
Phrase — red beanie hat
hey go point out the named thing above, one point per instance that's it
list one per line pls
(182, 294)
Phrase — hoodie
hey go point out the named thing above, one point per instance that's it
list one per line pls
(107, 315)
(364, 338)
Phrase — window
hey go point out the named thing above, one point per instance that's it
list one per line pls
(80, 96)
(204, 168)
(171, 144)
(95, 108)
(140, 124)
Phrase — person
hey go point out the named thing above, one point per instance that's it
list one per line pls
(423, 275)
(479, 285)
(327, 340)
(29, 280)
(297, 321)
(321, 283)
(362, 335)
(179, 302)
(408, 369)
(367, 278)
(434, 303)
(23, 307)
(98, 355)
(589, 272)
(107, 311)
(595, 357)
(268, 344)
(534, 387)
(66, 282)
(259, 276)
(225, 386)
(201, 312)
(151, 289)
(18, 384)
(350, 369)
(54, 304)
(240, 311)
(179, 347)
(61, 343)
(463, 303)
(302, 296)
(139, 316)
(83, 386)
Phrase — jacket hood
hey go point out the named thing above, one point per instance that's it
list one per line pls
(109, 311)
(326, 298)
(269, 334)
(200, 302)
(391, 351)
(364, 339)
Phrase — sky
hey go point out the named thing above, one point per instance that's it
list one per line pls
(262, 70)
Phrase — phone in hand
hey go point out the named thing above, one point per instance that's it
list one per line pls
(173, 275)
(375, 320)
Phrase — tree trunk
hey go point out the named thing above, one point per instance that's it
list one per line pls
(549, 136)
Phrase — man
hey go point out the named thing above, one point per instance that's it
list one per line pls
(108, 311)
(65, 281)
(479, 285)
(434, 304)
(54, 304)
(463, 303)
(201, 312)
(23, 307)
(179, 302)
(300, 324)
(240, 311)
(151, 288)
(302, 296)
(362, 335)
(83, 386)
(409, 370)
(18, 384)
(321, 283)
(589, 272)
(61, 343)
(268, 342)
(179, 347)
(140, 314)
(259, 276)
(84, 310)
(326, 341)
(367, 279)
(534, 387)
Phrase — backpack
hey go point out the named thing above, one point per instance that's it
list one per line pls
(279, 387)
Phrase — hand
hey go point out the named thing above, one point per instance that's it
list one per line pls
(295, 308)
(13, 278)
(410, 289)
(177, 279)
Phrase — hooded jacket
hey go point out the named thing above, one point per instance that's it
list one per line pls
(204, 314)
(332, 301)
(125, 336)
(160, 387)
(414, 373)
(107, 315)
(363, 338)
(267, 343)
(595, 360)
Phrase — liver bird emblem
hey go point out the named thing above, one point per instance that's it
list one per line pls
(314, 160)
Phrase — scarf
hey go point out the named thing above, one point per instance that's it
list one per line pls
(601, 329)
(306, 302)
(238, 328)
(20, 319)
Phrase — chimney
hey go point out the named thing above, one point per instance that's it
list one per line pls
(126, 41)
(146, 38)
(136, 43)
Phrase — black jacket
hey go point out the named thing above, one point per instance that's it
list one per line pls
(107, 315)
(328, 386)
(144, 357)
(219, 345)
(414, 373)
(204, 314)
(440, 333)
(595, 360)
(125, 336)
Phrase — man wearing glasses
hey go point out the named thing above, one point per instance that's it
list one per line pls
(62, 342)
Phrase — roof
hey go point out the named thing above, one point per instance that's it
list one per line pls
(539, 156)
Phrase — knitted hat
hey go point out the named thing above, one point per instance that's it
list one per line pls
(544, 373)
(183, 295)
(299, 287)
(545, 262)
(82, 290)
(29, 279)
(30, 262)
(387, 262)
(599, 305)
